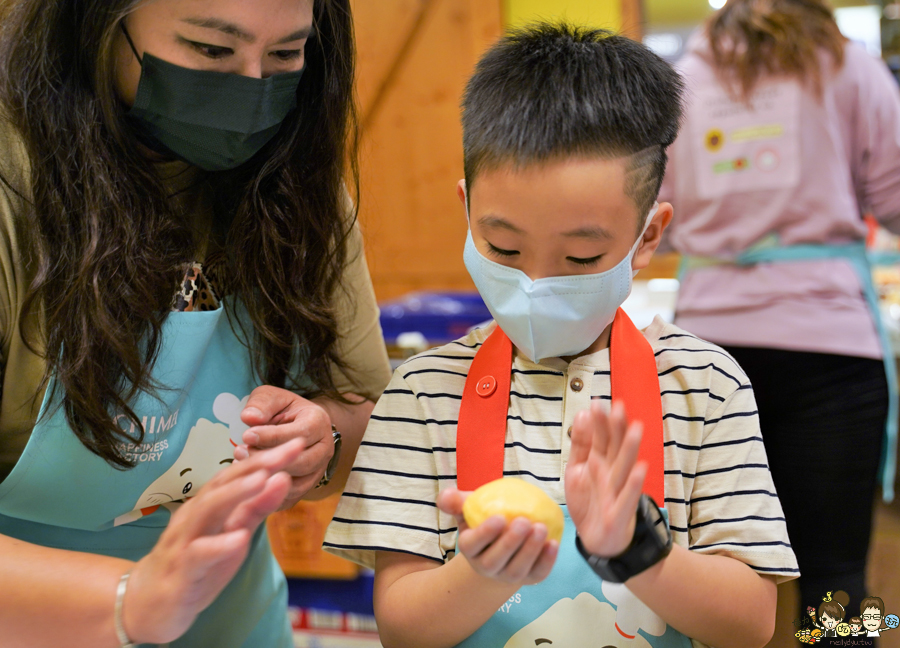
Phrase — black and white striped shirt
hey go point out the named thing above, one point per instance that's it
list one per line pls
(719, 492)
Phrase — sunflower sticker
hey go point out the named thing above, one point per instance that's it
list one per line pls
(715, 140)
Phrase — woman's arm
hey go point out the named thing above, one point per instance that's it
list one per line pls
(52, 597)
(351, 421)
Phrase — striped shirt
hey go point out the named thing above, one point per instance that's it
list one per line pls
(718, 489)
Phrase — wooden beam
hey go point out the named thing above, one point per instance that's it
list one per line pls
(633, 19)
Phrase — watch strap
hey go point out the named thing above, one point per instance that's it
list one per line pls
(648, 546)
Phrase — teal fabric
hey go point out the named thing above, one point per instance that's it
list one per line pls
(573, 607)
(861, 261)
(62, 496)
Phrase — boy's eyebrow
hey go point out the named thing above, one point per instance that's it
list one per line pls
(233, 30)
(594, 233)
(498, 223)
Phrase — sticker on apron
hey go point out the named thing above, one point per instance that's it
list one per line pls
(746, 147)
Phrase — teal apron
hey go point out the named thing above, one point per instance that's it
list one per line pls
(572, 606)
(61, 495)
(857, 256)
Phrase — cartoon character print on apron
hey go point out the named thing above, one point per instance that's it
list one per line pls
(572, 606)
(61, 495)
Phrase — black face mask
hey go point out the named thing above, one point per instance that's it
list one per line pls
(213, 120)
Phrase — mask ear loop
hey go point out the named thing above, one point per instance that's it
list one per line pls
(131, 43)
(466, 203)
(640, 239)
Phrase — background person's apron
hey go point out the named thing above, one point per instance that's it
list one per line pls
(572, 606)
(61, 495)
(771, 251)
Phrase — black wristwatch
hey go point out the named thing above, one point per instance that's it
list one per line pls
(335, 458)
(652, 541)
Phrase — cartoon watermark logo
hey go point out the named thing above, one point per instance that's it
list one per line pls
(830, 622)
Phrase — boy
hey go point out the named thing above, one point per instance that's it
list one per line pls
(565, 133)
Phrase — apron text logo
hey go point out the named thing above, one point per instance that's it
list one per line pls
(516, 598)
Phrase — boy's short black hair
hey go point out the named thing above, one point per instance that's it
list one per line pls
(551, 90)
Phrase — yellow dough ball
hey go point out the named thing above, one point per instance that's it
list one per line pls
(512, 498)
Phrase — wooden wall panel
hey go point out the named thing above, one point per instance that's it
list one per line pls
(414, 59)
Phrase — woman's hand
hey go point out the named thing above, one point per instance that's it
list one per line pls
(518, 553)
(203, 547)
(604, 479)
(276, 416)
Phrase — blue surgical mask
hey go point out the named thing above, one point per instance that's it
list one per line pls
(554, 316)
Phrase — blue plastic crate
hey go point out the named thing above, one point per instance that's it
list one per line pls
(440, 316)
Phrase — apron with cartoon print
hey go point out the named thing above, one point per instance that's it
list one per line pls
(61, 495)
(572, 606)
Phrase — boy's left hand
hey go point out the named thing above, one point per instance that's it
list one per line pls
(603, 479)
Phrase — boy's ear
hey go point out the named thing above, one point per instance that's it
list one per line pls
(461, 191)
(653, 236)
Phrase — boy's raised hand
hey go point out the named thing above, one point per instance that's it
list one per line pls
(603, 479)
(516, 553)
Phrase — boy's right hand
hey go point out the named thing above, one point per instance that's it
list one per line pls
(516, 553)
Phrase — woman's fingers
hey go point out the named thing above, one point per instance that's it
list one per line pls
(273, 461)
(266, 404)
(311, 460)
(310, 422)
(205, 557)
(206, 514)
(250, 514)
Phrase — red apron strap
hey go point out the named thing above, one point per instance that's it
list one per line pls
(635, 382)
(481, 431)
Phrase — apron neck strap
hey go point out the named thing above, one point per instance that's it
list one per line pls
(481, 432)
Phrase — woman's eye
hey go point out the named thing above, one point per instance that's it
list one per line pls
(585, 262)
(499, 252)
(212, 51)
(288, 55)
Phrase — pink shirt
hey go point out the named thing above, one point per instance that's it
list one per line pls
(795, 166)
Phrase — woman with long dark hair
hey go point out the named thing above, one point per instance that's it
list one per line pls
(182, 286)
(792, 135)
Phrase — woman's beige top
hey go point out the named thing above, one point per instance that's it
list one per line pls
(361, 345)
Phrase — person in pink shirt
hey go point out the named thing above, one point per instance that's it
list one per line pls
(792, 133)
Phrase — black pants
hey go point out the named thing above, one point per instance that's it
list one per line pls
(822, 418)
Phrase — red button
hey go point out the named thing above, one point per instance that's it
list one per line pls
(486, 386)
